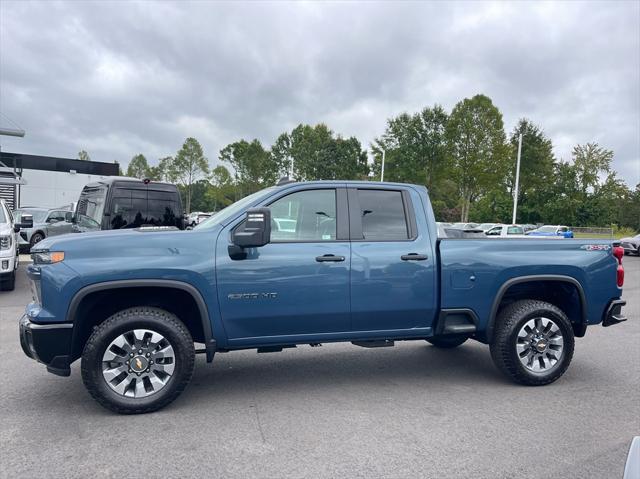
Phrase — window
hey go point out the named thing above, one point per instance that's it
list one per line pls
(383, 216)
(163, 209)
(56, 216)
(91, 207)
(304, 216)
(515, 230)
(495, 231)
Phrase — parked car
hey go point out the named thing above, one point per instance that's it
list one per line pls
(363, 264)
(124, 203)
(549, 230)
(46, 223)
(486, 226)
(505, 231)
(9, 251)
(631, 245)
(529, 227)
(465, 226)
(197, 217)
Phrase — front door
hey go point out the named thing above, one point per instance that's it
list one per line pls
(297, 285)
(393, 271)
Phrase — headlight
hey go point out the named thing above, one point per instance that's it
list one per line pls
(5, 242)
(47, 257)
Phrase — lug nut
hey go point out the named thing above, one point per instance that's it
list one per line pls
(138, 374)
(140, 351)
(148, 354)
(131, 355)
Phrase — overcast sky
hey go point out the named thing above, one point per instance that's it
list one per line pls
(117, 79)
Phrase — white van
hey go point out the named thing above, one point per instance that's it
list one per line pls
(9, 256)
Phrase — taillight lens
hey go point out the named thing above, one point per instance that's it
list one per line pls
(618, 252)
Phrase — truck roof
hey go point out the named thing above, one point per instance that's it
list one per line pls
(124, 180)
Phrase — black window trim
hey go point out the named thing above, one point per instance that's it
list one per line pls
(356, 219)
(342, 216)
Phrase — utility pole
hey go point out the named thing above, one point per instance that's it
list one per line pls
(382, 172)
(515, 196)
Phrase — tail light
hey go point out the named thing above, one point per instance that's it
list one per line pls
(618, 252)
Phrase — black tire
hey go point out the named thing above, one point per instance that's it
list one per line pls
(35, 239)
(9, 282)
(150, 318)
(503, 345)
(447, 342)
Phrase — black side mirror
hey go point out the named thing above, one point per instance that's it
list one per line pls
(68, 216)
(256, 230)
(26, 221)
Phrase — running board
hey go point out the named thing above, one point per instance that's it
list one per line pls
(381, 343)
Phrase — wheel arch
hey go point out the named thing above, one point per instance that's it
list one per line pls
(519, 288)
(104, 299)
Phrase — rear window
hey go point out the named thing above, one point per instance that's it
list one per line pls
(91, 207)
(383, 215)
(136, 207)
(515, 230)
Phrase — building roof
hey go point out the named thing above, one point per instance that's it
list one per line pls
(50, 163)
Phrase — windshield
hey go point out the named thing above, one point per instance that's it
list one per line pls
(231, 210)
(38, 215)
(547, 229)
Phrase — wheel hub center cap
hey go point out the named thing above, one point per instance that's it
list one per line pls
(541, 345)
(139, 364)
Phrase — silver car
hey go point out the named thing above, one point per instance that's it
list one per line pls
(46, 222)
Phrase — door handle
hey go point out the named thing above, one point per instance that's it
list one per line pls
(329, 257)
(414, 257)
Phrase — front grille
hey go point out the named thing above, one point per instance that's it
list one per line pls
(628, 245)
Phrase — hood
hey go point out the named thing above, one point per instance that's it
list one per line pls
(5, 229)
(119, 243)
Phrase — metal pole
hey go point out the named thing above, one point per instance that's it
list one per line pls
(515, 197)
(382, 172)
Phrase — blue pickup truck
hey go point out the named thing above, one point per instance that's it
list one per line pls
(307, 263)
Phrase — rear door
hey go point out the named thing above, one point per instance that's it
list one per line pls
(297, 286)
(393, 273)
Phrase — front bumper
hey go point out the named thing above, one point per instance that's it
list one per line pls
(49, 344)
(613, 314)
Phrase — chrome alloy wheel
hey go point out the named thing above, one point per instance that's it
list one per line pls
(138, 363)
(540, 345)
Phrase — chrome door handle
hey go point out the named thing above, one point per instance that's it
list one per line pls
(414, 257)
(329, 257)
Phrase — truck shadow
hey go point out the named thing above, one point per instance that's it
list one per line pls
(334, 367)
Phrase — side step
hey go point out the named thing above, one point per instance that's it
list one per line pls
(274, 349)
(381, 343)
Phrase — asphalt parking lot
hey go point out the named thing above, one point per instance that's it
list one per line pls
(335, 411)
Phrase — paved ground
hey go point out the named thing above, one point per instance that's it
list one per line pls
(335, 411)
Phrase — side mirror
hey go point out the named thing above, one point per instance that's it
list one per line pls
(68, 216)
(26, 221)
(256, 230)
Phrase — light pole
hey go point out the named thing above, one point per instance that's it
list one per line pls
(515, 197)
(382, 171)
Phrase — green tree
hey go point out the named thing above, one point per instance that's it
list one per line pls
(314, 153)
(83, 155)
(138, 167)
(536, 170)
(476, 145)
(415, 147)
(590, 161)
(222, 191)
(255, 167)
(187, 167)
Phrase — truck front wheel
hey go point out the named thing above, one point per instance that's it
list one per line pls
(138, 360)
(533, 342)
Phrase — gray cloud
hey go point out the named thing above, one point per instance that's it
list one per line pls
(119, 78)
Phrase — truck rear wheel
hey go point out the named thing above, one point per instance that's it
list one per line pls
(138, 360)
(447, 342)
(533, 342)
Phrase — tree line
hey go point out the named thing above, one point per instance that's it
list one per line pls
(464, 157)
